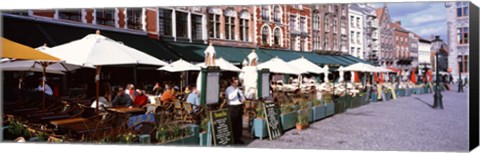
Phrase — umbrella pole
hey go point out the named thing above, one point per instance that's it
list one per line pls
(44, 66)
(97, 83)
(135, 75)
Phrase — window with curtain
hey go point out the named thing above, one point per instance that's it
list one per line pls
(265, 33)
(265, 13)
(105, 17)
(303, 24)
(134, 18)
(293, 42)
(165, 22)
(214, 24)
(462, 35)
(277, 15)
(244, 29)
(276, 36)
(326, 26)
(293, 23)
(229, 26)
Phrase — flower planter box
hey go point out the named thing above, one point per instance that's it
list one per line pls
(310, 115)
(373, 97)
(329, 109)
(340, 106)
(319, 112)
(348, 102)
(188, 140)
(288, 120)
(357, 101)
(205, 139)
(425, 90)
(260, 128)
(407, 92)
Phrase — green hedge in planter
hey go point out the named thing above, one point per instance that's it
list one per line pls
(259, 128)
(340, 104)
(319, 112)
(192, 139)
(288, 120)
(329, 109)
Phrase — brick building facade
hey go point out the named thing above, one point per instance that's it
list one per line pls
(387, 44)
(330, 32)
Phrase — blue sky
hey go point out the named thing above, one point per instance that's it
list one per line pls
(423, 18)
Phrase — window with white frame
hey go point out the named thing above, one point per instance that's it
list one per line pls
(229, 25)
(316, 20)
(358, 37)
(181, 19)
(277, 38)
(244, 29)
(197, 30)
(303, 24)
(277, 14)
(214, 22)
(352, 21)
(165, 22)
(335, 25)
(462, 9)
(72, 14)
(265, 13)
(326, 24)
(134, 18)
(265, 35)
(293, 23)
(352, 37)
(462, 35)
(326, 44)
(105, 17)
(358, 22)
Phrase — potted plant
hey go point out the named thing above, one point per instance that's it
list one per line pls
(305, 105)
(259, 123)
(302, 120)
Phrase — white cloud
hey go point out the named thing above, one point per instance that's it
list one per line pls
(427, 31)
(427, 18)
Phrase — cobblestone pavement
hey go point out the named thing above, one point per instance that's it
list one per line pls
(404, 124)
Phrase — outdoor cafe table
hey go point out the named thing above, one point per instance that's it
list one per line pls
(67, 121)
(126, 110)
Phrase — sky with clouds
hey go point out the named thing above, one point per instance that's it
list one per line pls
(423, 18)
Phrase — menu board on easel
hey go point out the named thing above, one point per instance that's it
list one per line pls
(222, 128)
(272, 116)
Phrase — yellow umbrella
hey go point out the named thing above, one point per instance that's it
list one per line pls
(11, 49)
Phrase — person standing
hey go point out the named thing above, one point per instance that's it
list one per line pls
(235, 99)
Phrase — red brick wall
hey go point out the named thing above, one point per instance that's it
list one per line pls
(89, 15)
(44, 13)
(151, 20)
(121, 18)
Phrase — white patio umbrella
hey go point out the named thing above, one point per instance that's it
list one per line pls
(359, 67)
(277, 65)
(180, 66)
(306, 65)
(341, 74)
(95, 50)
(223, 64)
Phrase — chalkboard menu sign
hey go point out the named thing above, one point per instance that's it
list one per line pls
(272, 116)
(222, 129)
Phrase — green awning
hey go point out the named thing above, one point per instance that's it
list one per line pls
(355, 59)
(35, 33)
(344, 61)
(235, 55)
(282, 54)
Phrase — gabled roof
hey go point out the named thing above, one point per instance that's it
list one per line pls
(380, 12)
(398, 27)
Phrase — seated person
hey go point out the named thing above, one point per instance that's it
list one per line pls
(193, 98)
(105, 100)
(48, 90)
(157, 89)
(168, 94)
(122, 99)
(140, 99)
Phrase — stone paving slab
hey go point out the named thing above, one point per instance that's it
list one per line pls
(404, 124)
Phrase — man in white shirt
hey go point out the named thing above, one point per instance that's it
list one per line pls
(235, 99)
(48, 90)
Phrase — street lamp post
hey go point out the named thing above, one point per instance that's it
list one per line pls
(437, 104)
(460, 82)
